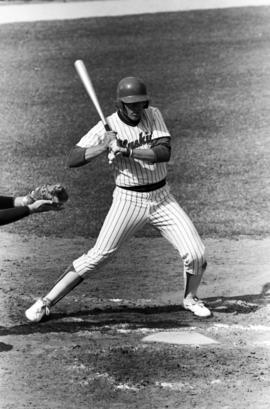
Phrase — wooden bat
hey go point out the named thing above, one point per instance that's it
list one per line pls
(88, 85)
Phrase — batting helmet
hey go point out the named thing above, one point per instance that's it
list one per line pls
(130, 90)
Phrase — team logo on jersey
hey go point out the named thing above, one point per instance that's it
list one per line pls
(143, 139)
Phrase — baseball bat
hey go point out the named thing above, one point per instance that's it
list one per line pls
(89, 87)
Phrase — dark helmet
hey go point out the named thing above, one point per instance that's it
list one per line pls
(132, 89)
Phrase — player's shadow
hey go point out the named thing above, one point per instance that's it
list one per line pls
(132, 318)
(240, 304)
(5, 347)
(136, 318)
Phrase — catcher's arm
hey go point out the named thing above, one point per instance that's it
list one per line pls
(13, 214)
(13, 209)
(36, 206)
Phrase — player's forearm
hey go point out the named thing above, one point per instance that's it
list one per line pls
(159, 153)
(147, 155)
(94, 151)
(12, 215)
(80, 156)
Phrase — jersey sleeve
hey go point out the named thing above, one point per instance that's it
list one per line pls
(6, 202)
(159, 128)
(12, 215)
(9, 213)
(94, 137)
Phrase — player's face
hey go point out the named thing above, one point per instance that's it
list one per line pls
(134, 111)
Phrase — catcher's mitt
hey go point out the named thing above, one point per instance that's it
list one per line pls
(57, 193)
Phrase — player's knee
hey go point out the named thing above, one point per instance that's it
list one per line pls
(97, 255)
(91, 261)
(201, 263)
(195, 263)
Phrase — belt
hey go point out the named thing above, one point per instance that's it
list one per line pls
(145, 188)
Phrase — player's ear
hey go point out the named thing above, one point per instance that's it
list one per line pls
(120, 106)
(146, 105)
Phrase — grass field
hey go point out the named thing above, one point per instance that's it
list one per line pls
(208, 72)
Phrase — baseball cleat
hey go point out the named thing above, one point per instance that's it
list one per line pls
(38, 310)
(197, 307)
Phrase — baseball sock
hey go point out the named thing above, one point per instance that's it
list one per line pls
(67, 282)
(192, 285)
(192, 282)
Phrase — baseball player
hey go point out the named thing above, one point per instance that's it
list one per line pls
(138, 147)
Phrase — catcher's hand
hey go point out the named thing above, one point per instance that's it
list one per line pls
(56, 194)
(41, 206)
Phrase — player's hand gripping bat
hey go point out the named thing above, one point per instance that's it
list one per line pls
(88, 85)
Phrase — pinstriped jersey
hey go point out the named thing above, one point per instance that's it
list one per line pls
(131, 171)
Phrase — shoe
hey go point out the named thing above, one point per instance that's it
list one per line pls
(197, 307)
(38, 310)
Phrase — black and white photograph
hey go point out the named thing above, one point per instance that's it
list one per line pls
(135, 204)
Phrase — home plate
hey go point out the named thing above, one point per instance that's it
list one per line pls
(180, 338)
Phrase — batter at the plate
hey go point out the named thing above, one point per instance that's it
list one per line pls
(138, 148)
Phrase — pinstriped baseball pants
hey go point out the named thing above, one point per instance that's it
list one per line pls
(129, 212)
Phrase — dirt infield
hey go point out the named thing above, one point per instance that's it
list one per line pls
(90, 352)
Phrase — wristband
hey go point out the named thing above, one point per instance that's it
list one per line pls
(128, 152)
(26, 201)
